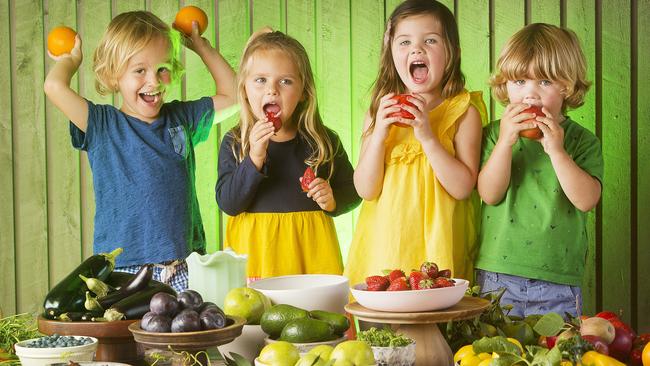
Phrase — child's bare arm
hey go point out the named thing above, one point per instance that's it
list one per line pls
(222, 73)
(57, 86)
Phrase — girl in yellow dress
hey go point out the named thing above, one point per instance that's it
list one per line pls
(417, 176)
(280, 219)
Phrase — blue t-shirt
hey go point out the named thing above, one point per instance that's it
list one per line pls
(143, 177)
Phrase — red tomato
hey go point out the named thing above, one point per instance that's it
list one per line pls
(402, 100)
(609, 315)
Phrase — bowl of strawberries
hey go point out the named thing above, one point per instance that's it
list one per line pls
(427, 289)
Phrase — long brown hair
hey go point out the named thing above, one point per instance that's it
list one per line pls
(388, 80)
(309, 123)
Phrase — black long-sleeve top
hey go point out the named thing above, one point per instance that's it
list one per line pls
(241, 188)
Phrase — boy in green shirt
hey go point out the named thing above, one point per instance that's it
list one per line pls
(537, 191)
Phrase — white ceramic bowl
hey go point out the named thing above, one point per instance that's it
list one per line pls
(410, 301)
(248, 344)
(306, 347)
(30, 356)
(309, 291)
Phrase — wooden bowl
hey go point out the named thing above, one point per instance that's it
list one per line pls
(189, 341)
(116, 342)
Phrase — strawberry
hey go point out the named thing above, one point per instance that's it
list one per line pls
(377, 283)
(426, 284)
(442, 282)
(277, 122)
(398, 284)
(430, 268)
(415, 278)
(394, 274)
(445, 273)
(307, 177)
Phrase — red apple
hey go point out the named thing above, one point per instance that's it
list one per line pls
(532, 133)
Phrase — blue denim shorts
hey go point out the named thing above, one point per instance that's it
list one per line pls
(529, 296)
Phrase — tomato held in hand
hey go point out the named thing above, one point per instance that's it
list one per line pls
(60, 40)
(307, 178)
(532, 133)
(186, 15)
(401, 101)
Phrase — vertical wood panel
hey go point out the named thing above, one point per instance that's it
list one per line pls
(301, 26)
(616, 152)
(94, 16)
(545, 11)
(474, 27)
(64, 227)
(333, 67)
(643, 166)
(199, 83)
(29, 151)
(122, 6)
(581, 18)
(509, 17)
(166, 10)
(269, 13)
(7, 238)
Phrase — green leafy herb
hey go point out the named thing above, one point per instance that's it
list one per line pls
(549, 325)
(385, 337)
(14, 329)
(495, 344)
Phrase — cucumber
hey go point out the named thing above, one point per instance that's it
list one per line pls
(69, 295)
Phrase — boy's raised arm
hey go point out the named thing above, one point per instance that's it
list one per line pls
(57, 86)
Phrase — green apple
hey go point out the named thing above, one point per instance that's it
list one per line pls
(279, 354)
(324, 351)
(245, 302)
(310, 360)
(352, 353)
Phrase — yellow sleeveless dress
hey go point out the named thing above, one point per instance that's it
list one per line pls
(415, 219)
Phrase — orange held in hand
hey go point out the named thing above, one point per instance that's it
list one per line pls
(60, 40)
(187, 15)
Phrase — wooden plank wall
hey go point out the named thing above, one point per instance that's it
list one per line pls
(47, 206)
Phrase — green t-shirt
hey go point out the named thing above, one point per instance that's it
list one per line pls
(535, 231)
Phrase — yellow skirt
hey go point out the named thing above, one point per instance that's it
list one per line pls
(286, 243)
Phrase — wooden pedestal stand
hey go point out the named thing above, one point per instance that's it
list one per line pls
(116, 342)
(430, 346)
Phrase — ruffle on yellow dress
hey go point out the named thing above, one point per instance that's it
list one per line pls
(288, 243)
(415, 219)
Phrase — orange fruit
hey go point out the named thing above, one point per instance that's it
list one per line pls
(186, 15)
(60, 40)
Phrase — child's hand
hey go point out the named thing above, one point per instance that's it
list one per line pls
(553, 139)
(195, 42)
(321, 192)
(420, 124)
(512, 122)
(259, 141)
(382, 121)
(75, 55)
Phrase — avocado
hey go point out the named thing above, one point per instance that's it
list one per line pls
(307, 330)
(339, 322)
(274, 319)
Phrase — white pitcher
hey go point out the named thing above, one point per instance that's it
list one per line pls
(213, 275)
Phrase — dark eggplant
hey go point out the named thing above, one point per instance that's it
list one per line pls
(136, 305)
(190, 299)
(118, 279)
(136, 283)
(186, 321)
(69, 294)
(165, 304)
(79, 316)
(156, 323)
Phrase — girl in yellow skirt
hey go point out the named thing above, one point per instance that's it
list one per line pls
(282, 221)
(417, 172)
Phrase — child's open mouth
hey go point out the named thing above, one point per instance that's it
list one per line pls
(272, 112)
(419, 72)
(151, 97)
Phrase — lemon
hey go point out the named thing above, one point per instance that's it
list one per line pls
(463, 352)
(279, 354)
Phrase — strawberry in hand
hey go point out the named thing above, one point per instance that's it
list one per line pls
(307, 177)
(399, 284)
(377, 283)
(401, 101)
(277, 122)
(416, 278)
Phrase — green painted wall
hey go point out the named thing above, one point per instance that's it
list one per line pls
(47, 207)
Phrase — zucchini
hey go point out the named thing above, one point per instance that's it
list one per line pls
(136, 305)
(136, 283)
(69, 294)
